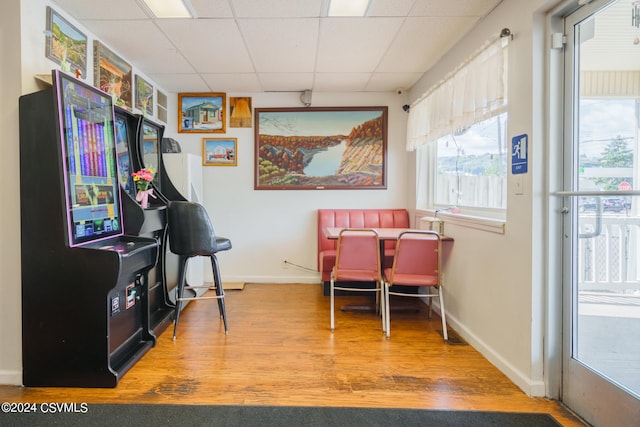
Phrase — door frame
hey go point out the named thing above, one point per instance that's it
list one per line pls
(577, 383)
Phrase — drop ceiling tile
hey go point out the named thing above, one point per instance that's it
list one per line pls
(390, 8)
(281, 45)
(210, 45)
(233, 82)
(422, 41)
(286, 82)
(180, 82)
(389, 82)
(212, 8)
(468, 8)
(114, 9)
(277, 8)
(341, 82)
(354, 45)
(171, 61)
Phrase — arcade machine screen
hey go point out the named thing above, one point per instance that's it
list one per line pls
(124, 159)
(90, 174)
(151, 150)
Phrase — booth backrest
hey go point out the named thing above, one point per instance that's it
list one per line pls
(354, 218)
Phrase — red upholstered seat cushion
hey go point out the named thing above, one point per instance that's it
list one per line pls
(411, 279)
(355, 218)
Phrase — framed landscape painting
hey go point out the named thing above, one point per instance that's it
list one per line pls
(65, 44)
(144, 96)
(317, 148)
(113, 75)
(202, 112)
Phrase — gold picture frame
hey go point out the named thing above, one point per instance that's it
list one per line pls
(202, 112)
(220, 151)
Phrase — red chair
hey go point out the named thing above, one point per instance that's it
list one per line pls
(358, 260)
(417, 262)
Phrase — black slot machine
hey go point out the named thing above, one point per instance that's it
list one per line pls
(150, 221)
(85, 306)
(150, 136)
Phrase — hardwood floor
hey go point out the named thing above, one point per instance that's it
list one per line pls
(280, 351)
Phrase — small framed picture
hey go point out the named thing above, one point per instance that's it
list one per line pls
(144, 96)
(113, 75)
(65, 44)
(202, 112)
(240, 112)
(220, 151)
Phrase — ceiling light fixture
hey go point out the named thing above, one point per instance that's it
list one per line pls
(348, 7)
(169, 8)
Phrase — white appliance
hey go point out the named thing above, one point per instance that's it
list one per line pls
(185, 172)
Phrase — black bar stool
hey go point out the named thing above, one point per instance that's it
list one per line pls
(191, 234)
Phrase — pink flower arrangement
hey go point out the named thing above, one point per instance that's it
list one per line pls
(142, 178)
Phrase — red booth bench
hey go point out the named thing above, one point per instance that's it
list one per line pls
(355, 218)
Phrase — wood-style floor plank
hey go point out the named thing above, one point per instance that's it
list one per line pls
(280, 351)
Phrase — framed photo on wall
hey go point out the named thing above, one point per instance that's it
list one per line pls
(219, 151)
(112, 74)
(320, 148)
(240, 112)
(144, 96)
(65, 44)
(202, 112)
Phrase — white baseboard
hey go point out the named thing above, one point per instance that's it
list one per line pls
(527, 385)
(10, 377)
(272, 279)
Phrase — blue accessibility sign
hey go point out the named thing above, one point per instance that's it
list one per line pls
(519, 154)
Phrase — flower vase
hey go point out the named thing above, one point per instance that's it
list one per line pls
(143, 197)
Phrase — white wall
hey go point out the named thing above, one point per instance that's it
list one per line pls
(268, 226)
(10, 313)
(495, 286)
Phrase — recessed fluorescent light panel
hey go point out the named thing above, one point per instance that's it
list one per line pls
(168, 8)
(348, 7)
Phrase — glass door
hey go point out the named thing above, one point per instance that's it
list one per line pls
(601, 267)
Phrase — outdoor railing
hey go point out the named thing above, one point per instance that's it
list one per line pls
(609, 256)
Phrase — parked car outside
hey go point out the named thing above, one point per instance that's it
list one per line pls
(610, 204)
(587, 204)
(613, 205)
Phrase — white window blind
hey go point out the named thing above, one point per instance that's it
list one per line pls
(474, 91)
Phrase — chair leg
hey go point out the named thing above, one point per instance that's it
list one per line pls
(182, 274)
(381, 306)
(331, 299)
(445, 335)
(219, 291)
(387, 310)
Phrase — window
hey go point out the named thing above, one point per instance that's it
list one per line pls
(459, 129)
(470, 167)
